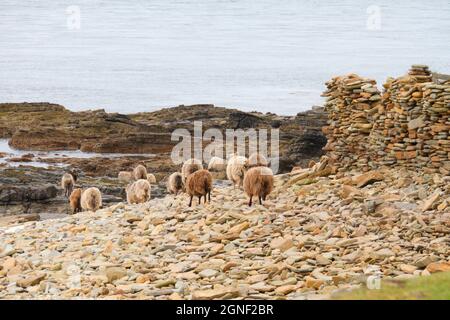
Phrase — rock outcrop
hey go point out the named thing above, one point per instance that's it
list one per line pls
(46, 126)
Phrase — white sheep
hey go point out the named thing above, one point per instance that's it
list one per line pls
(140, 172)
(236, 169)
(217, 164)
(151, 178)
(68, 183)
(257, 160)
(125, 176)
(138, 192)
(91, 199)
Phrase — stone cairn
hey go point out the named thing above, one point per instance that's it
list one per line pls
(408, 125)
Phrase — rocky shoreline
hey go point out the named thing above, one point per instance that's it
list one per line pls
(376, 205)
(34, 191)
(317, 235)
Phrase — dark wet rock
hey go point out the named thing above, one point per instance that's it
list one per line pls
(243, 120)
(15, 194)
(307, 146)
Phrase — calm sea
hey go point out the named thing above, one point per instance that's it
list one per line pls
(266, 55)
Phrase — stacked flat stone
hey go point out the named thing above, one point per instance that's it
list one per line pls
(403, 101)
(408, 126)
(349, 102)
(436, 107)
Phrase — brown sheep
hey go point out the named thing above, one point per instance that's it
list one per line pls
(258, 181)
(190, 166)
(75, 200)
(140, 172)
(138, 192)
(236, 169)
(91, 199)
(68, 182)
(199, 184)
(257, 160)
(175, 183)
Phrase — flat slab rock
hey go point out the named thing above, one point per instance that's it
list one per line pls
(296, 245)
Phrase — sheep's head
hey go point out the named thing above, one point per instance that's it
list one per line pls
(142, 163)
(74, 174)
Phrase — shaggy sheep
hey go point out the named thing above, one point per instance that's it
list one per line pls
(140, 172)
(125, 176)
(68, 182)
(236, 169)
(190, 166)
(151, 178)
(91, 199)
(257, 160)
(175, 183)
(199, 184)
(217, 164)
(138, 191)
(75, 200)
(258, 181)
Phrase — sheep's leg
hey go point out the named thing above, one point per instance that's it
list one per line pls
(260, 201)
(250, 202)
(209, 196)
(190, 201)
(200, 200)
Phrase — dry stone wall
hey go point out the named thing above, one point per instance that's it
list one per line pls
(407, 125)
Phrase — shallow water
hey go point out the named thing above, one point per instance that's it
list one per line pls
(265, 55)
(13, 153)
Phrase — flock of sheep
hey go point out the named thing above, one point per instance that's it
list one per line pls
(252, 174)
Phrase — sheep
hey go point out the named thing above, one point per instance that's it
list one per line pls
(151, 178)
(199, 184)
(175, 183)
(138, 191)
(75, 200)
(140, 172)
(236, 169)
(217, 164)
(91, 199)
(257, 160)
(258, 181)
(125, 176)
(68, 182)
(190, 166)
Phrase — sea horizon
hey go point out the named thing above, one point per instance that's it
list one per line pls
(140, 56)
